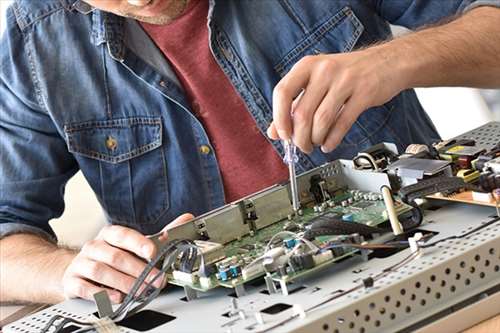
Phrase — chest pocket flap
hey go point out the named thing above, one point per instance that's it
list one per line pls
(336, 33)
(115, 140)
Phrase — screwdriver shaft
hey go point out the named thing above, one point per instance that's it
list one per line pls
(290, 159)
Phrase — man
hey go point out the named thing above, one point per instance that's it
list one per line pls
(142, 95)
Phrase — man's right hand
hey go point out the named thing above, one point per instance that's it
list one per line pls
(112, 262)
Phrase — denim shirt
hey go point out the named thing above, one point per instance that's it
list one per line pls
(81, 89)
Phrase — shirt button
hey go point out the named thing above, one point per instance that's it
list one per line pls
(205, 150)
(111, 143)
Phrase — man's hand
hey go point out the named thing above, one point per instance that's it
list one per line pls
(322, 96)
(112, 262)
(326, 94)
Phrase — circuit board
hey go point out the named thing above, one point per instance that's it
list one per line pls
(356, 206)
(465, 197)
(364, 276)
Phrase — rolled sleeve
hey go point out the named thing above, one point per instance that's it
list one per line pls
(481, 3)
(8, 229)
(414, 14)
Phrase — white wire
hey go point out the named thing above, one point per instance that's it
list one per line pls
(311, 245)
(370, 158)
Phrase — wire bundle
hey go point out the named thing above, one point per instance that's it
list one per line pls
(135, 301)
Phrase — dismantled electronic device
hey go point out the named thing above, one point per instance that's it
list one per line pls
(335, 261)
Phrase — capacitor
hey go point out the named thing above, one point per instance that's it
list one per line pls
(289, 243)
(348, 217)
(350, 200)
(224, 274)
(235, 270)
(344, 203)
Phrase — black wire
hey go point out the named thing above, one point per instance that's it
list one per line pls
(383, 273)
(386, 271)
(144, 298)
(365, 158)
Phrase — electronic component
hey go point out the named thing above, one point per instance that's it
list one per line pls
(417, 168)
(493, 165)
(210, 251)
(391, 210)
(468, 175)
(283, 250)
(430, 186)
(318, 189)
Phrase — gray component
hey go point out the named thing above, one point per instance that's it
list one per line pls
(363, 180)
(417, 167)
(271, 287)
(103, 304)
(493, 165)
(389, 146)
(271, 206)
(239, 289)
(190, 293)
(225, 226)
(458, 273)
(486, 136)
(465, 151)
(184, 231)
(284, 287)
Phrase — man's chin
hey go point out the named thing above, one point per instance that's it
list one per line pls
(158, 20)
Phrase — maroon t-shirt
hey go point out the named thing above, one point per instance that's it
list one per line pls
(247, 161)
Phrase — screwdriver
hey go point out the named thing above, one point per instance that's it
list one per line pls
(291, 159)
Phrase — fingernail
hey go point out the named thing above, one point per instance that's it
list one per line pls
(325, 150)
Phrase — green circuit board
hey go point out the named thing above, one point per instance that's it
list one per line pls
(366, 208)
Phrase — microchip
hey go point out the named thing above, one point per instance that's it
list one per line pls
(362, 204)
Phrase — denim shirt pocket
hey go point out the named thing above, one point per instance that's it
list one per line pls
(338, 33)
(124, 162)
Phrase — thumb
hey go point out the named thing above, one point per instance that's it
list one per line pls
(272, 133)
(184, 218)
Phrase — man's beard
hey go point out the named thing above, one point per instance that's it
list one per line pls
(177, 8)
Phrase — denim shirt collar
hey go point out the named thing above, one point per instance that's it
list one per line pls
(108, 28)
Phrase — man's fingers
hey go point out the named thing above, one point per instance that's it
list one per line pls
(347, 117)
(272, 132)
(129, 240)
(101, 273)
(118, 259)
(78, 287)
(184, 218)
(303, 114)
(325, 115)
(284, 94)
